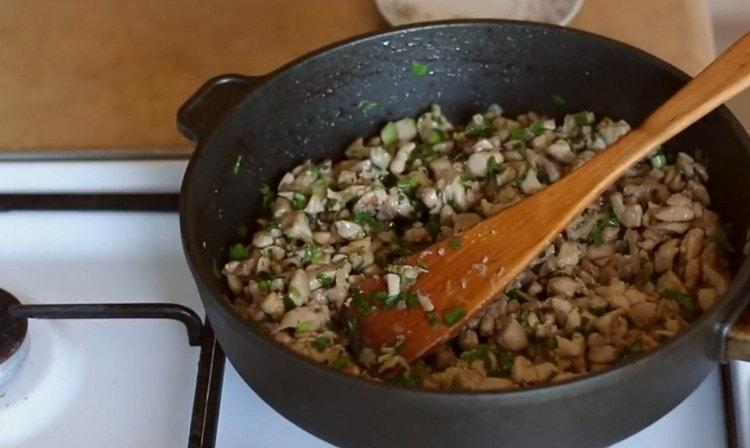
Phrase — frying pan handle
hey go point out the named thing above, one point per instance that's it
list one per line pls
(737, 337)
(210, 103)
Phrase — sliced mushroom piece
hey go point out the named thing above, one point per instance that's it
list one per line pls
(674, 213)
(307, 317)
(513, 337)
(664, 257)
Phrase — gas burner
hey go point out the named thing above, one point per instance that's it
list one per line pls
(13, 348)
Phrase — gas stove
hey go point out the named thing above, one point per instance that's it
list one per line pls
(107, 233)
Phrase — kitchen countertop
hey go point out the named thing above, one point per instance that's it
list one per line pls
(107, 76)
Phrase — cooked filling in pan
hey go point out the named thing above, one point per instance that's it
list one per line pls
(633, 270)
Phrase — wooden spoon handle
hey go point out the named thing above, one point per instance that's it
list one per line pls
(728, 75)
(501, 246)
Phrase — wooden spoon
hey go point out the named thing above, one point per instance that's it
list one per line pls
(461, 280)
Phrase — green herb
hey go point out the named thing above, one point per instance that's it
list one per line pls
(239, 252)
(361, 303)
(482, 129)
(685, 301)
(321, 343)
(215, 268)
(517, 133)
(407, 185)
(432, 318)
(493, 168)
(515, 294)
(582, 119)
(379, 296)
(368, 219)
(299, 201)
(521, 177)
(399, 345)
(266, 195)
(658, 160)
(537, 128)
(241, 230)
(419, 69)
(303, 326)
(410, 298)
(389, 133)
(433, 225)
(312, 253)
(325, 281)
(454, 315)
(595, 235)
(237, 163)
(341, 362)
(456, 242)
(391, 302)
(423, 152)
(264, 286)
(719, 237)
(410, 378)
(352, 327)
(289, 303)
(636, 348)
(557, 99)
(367, 106)
(435, 136)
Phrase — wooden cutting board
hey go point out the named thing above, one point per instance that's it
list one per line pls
(110, 74)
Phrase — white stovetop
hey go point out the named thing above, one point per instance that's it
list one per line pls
(130, 383)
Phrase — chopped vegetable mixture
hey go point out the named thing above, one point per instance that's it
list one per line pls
(632, 270)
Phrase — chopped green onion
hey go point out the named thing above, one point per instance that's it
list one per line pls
(312, 253)
(454, 315)
(266, 195)
(582, 119)
(433, 225)
(379, 296)
(341, 362)
(436, 136)
(237, 163)
(303, 326)
(419, 69)
(685, 301)
(389, 133)
(299, 201)
(658, 160)
(595, 235)
(289, 304)
(493, 168)
(719, 237)
(410, 298)
(515, 294)
(367, 106)
(360, 302)
(482, 129)
(241, 230)
(456, 242)
(517, 134)
(537, 128)
(321, 343)
(557, 99)
(325, 281)
(352, 327)
(239, 252)
(432, 318)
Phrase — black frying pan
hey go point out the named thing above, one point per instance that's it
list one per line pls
(312, 108)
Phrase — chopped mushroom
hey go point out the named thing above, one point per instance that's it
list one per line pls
(637, 266)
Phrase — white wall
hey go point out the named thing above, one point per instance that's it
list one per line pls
(731, 19)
